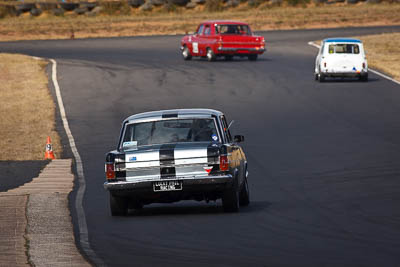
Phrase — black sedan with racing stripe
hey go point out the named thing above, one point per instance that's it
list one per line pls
(172, 155)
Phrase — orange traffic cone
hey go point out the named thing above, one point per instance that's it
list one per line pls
(49, 150)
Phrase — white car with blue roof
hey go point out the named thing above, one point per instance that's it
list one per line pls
(341, 57)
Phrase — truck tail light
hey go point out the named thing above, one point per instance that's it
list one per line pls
(324, 64)
(363, 65)
(110, 171)
(223, 163)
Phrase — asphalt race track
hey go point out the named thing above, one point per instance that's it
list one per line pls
(323, 158)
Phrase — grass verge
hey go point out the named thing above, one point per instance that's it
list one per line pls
(263, 17)
(27, 109)
(383, 53)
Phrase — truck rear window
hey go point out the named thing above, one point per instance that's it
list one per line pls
(171, 131)
(344, 49)
(232, 29)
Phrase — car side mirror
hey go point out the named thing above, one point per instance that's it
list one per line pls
(238, 138)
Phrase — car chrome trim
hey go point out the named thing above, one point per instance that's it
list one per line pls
(216, 179)
(235, 49)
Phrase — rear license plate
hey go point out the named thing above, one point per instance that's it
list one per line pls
(167, 186)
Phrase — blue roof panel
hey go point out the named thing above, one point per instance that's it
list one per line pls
(341, 40)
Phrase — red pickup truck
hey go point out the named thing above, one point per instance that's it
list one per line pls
(213, 39)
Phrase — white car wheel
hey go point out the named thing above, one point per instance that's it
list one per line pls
(210, 55)
(364, 77)
(186, 53)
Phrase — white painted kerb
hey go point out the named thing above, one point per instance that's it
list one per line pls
(83, 231)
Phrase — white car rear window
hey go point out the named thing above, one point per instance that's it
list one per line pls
(344, 49)
(171, 131)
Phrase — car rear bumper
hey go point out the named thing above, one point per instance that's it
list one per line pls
(187, 182)
(331, 73)
(240, 50)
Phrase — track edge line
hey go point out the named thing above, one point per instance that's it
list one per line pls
(82, 225)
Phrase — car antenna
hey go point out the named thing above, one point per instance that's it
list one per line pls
(229, 126)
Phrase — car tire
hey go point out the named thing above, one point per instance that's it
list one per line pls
(36, 12)
(230, 199)
(316, 76)
(321, 78)
(253, 57)
(118, 205)
(228, 57)
(210, 55)
(22, 8)
(136, 205)
(244, 194)
(364, 78)
(186, 53)
(69, 6)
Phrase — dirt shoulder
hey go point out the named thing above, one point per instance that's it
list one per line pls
(383, 53)
(27, 110)
(180, 21)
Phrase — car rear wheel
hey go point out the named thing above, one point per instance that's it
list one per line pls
(186, 53)
(230, 199)
(321, 78)
(228, 57)
(210, 55)
(136, 205)
(253, 57)
(364, 78)
(244, 195)
(118, 205)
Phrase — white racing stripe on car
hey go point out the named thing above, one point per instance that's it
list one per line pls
(82, 226)
(190, 162)
(142, 159)
(147, 164)
(369, 69)
(186, 156)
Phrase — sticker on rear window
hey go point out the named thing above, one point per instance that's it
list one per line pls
(129, 145)
(214, 137)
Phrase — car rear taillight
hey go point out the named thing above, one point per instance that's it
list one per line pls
(223, 163)
(110, 171)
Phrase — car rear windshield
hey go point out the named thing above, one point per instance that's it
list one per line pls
(171, 131)
(344, 49)
(232, 29)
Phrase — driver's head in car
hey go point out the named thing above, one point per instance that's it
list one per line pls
(202, 130)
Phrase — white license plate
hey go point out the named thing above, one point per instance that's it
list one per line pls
(167, 186)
